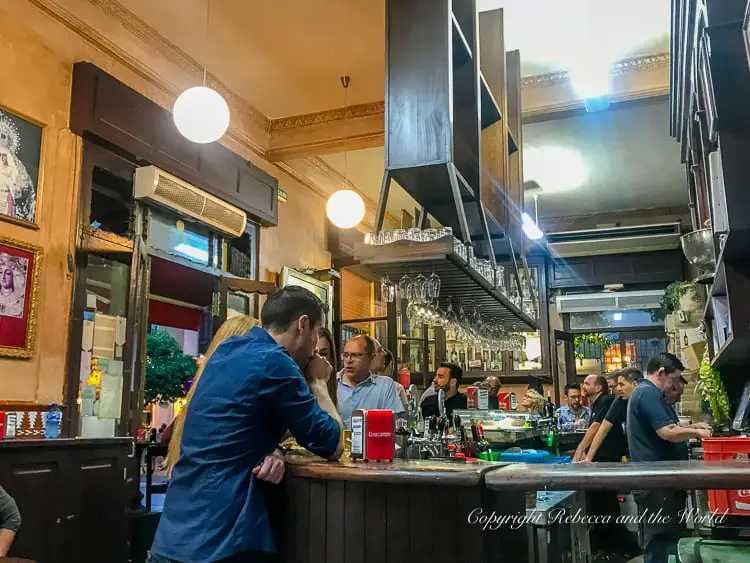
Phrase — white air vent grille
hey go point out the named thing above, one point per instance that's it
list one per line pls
(157, 186)
(586, 302)
(617, 240)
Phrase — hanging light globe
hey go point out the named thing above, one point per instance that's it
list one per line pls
(345, 209)
(201, 114)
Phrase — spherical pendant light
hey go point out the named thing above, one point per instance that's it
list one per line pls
(201, 114)
(345, 209)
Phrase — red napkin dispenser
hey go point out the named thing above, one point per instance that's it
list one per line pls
(373, 435)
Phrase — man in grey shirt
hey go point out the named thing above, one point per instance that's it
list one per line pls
(10, 521)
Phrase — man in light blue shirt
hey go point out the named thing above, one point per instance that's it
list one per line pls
(358, 388)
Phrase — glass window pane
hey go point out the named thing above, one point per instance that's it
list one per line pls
(594, 320)
(178, 238)
(531, 357)
(101, 387)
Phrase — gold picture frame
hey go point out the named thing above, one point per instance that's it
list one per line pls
(22, 143)
(20, 271)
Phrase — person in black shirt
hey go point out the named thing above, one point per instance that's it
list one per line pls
(655, 435)
(596, 389)
(448, 378)
(492, 382)
(614, 422)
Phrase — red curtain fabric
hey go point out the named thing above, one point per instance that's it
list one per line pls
(166, 314)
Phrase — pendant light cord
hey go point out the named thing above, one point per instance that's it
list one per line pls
(345, 79)
(205, 41)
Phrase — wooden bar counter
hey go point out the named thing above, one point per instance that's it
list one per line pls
(395, 512)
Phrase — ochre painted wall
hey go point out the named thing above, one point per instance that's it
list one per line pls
(38, 53)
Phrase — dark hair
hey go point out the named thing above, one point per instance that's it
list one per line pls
(665, 360)
(369, 343)
(456, 372)
(284, 306)
(633, 375)
(571, 386)
(537, 386)
(612, 376)
(333, 383)
(389, 366)
(325, 333)
(602, 382)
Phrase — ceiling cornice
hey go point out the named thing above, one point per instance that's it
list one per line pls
(327, 116)
(642, 63)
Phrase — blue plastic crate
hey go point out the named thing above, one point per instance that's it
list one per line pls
(535, 456)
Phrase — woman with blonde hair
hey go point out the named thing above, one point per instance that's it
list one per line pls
(235, 326)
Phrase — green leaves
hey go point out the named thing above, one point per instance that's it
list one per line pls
(595, 338)
(167, 368)
(713, 390)
(670, 301)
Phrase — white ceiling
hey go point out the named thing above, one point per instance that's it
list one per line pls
(628, 158)
(286, 57)
(554, 35)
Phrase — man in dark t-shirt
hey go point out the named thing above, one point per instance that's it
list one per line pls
(655, 435)
(611, 434)
(448, 378)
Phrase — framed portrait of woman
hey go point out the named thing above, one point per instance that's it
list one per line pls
(20, 162)
(19, 286)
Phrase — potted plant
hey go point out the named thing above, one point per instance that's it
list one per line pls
(167, 368)
(595, 338)
(678, 296)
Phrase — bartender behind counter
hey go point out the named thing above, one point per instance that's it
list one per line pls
(654, 434)
(448, 378)
(358, 387)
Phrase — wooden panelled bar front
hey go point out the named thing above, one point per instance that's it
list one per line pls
(399, 512)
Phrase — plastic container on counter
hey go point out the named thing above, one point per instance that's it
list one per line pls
(737, 503)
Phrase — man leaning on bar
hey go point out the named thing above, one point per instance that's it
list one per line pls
(654, 434)
(253, 388)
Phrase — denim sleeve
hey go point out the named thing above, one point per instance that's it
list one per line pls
(298, 409)
(655, 411)
(10, 517)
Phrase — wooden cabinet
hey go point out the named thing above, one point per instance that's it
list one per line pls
(105, 108)
(711, 118)
(438, 101)
(71, 495)
(591, 271)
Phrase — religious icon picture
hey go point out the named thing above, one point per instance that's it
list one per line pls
(20, 157)
(19, 285)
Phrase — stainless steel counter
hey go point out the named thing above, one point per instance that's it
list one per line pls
(621, 476)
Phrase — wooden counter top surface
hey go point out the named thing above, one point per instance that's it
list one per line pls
(419, 472)
(624, 476)
(63, 442)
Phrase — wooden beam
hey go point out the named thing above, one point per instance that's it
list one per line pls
(325, 132)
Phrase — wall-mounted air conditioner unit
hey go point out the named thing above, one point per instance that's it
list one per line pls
(157, 186)
(606, 301)
(614, 240)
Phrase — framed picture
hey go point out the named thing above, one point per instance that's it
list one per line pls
(20, 160)
(323, 290)
(19, 285)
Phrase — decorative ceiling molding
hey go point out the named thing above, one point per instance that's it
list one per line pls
(641, 63)
(336, 179)
(327, 116)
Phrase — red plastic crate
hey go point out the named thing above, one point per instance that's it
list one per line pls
(736, 502)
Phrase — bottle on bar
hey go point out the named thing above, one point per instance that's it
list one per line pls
(549, 407)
